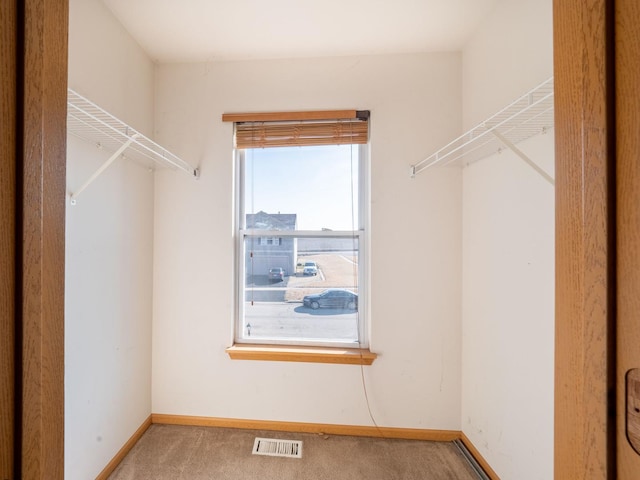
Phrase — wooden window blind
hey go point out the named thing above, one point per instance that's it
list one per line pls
(284, 129)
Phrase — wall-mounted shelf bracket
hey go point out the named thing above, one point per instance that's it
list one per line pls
(524, 157)
(89, 122)
(527, 116)
(102, 168)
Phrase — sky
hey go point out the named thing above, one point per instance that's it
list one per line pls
(313, 182)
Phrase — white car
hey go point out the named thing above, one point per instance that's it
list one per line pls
(310, 268)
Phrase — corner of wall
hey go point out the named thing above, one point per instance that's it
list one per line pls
(108, 271)
(508, 255)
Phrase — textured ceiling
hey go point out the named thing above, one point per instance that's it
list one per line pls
(207, 30)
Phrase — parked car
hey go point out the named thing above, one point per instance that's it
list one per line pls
(276, 274)
(310, 268)
(332, 298)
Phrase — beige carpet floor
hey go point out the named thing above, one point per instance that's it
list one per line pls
(194, 453)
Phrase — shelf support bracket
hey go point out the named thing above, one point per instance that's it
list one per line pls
(523, 156)
(103, 167)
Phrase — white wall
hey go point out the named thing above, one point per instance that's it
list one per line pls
(508, 254)
(510, 53)
(415, 103)
(109, 245)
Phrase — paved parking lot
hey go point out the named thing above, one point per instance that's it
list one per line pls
(336, 270)
(275, 310)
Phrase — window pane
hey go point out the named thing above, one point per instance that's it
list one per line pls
(319, 185)
(304, 290)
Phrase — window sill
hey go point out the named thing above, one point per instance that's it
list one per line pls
(282, 353)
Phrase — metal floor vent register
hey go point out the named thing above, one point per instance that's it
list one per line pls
(277, 448)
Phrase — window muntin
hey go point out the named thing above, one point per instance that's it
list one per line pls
(313, 197)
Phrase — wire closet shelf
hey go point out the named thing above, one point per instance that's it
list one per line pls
(88, 121)
(529, 115)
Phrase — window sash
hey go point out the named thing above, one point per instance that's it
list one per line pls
(241, 207)
(243, 240)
